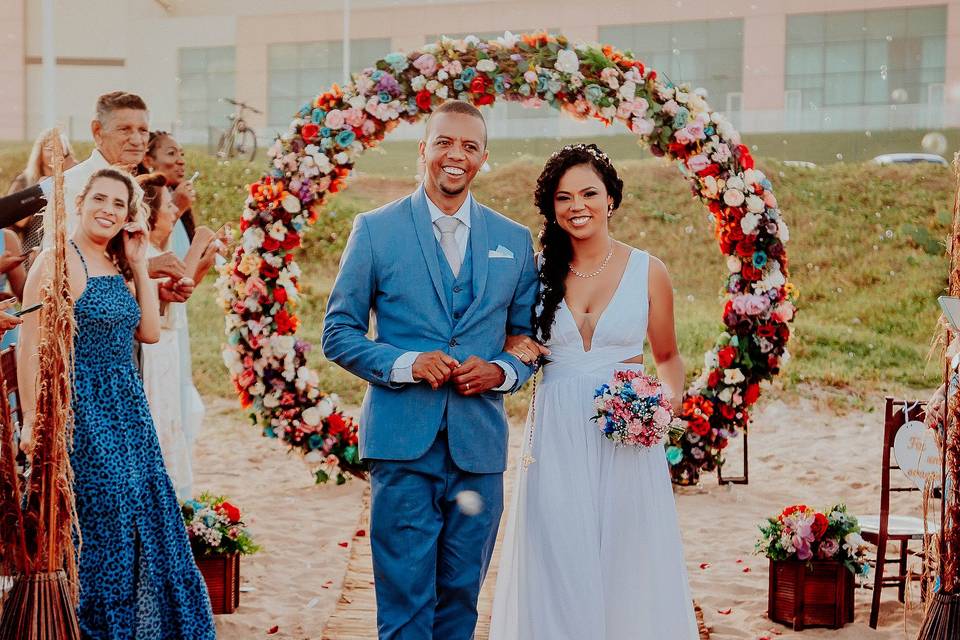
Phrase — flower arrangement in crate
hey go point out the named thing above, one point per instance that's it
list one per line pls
(215, 527)
(801, 533)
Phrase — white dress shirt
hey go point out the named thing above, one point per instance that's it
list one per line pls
(74, 180)
(402, 371)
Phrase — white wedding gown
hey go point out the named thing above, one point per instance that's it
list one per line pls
(592, 548)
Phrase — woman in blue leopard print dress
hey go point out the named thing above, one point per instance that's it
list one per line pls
(138, 579)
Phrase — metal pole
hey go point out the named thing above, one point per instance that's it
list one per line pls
(346, 41)
(49, 66)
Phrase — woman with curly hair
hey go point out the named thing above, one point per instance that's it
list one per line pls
(592, 548)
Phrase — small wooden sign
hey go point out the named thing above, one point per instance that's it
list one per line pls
(915, 448)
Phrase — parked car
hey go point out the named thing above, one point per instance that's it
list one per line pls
(803, 164)
(909, 158)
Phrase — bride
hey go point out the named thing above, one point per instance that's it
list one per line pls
(592, 546)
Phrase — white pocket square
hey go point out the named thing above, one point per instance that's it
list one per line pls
(500, 252)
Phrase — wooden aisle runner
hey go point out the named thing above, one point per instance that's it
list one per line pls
(355, 617)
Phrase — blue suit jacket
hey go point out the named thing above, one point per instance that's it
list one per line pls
(390, 268)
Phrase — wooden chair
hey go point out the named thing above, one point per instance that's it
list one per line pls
(8, 376)
(883, 528)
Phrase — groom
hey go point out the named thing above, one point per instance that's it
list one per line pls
(447, 279)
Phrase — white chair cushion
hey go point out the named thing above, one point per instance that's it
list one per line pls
(898, 525)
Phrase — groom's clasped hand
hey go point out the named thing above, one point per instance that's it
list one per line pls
(473, 376)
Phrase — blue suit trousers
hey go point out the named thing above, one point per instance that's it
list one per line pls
(430, 555)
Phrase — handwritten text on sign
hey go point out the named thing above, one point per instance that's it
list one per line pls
(915, 448)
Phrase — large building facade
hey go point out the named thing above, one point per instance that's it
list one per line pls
(771, 65)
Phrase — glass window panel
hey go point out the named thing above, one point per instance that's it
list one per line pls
(652, 37)
(844, 57)
(933, 52)
(927, 21)
(283, 84)
(724, 33)
(877, 54)
(802, 59)
(844, 26)
(812, 98)
(930, 76)
(192, 60)
(282, 56)
(692, 36)
(805, 29)
(206, 76)
(888, 22)
(843, 88)
(876, 89)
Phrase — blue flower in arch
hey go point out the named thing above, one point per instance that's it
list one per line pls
(346, 137)
(458, 85)
(593, 92)
(385, 97)
(318, 115)
(315, 441)
(759, 259)
(468, 74)
(397, 61)
(499, 85)
(376, 75)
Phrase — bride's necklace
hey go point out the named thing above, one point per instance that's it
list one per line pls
(598, 271)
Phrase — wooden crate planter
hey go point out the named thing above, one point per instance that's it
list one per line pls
(222, 575)
(815, 594)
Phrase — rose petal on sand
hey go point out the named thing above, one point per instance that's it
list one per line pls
(344, 544)
(361, 533)
(724, 612)
(704, 565)
(746, 569)
(273, 630)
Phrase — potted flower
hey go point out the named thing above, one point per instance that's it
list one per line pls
(814, 558)
(218, 537)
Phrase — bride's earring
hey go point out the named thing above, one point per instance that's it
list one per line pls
(610, 211)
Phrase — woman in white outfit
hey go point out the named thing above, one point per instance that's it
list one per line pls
(592, 547)
(161, 361)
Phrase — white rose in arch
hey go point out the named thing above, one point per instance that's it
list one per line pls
(567, 61)
(311, 416)
(271, 400)
(736, 182)
(749, 222)
(325, 407)
(733, 197)
(711, 360)
(732, 376)
(755, 204)
(486, 65)
(783, 232)
(734, 264)
(726, 395)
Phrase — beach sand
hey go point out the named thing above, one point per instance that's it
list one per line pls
(800, 451)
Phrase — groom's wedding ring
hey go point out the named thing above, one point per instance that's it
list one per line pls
(468, 386)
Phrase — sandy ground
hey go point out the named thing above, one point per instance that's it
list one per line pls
(801, 451)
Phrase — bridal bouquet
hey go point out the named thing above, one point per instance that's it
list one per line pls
(215, 527)
(801, 533)
(632, 409)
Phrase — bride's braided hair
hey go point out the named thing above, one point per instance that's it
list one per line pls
(557, 250)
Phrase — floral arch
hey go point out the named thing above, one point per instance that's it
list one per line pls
(259, 287)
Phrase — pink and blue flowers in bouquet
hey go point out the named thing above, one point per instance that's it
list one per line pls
(632, 409)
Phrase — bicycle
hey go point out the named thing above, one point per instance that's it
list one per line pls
(239, 141)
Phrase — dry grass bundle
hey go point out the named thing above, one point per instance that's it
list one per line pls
(942, 620)
(42, 603)
(14, 558)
